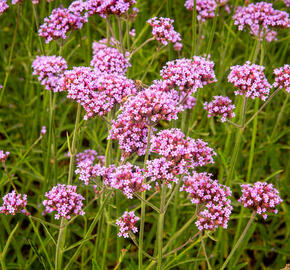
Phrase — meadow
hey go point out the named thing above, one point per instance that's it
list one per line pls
(130, 143)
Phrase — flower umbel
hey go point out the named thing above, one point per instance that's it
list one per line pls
(127, 223)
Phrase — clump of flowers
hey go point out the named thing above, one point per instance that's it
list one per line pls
(213, 199)
(14, 203)
(260, 197)
(220, 106)
(43, 131)
(250, 81)
(127, 223)
(129, 179)
(205, 8)
(88, 155)
(187, 75)
(282, 78)
(185, 153)
(3, 156)
(163, 30)
(3, 6)
(49, 69)
(259, 17)
(64, 200)
(102, 44)
(110, 60)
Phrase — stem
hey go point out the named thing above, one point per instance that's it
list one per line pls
(234, 124)
(239, 241)
(204, 250)
(141, 46)
(59, 246)
(151, 62)
(120, 34)
(160, 227)
(212, 32)
(148, 203)
(112, 32)
(193, 44)
(132, 236)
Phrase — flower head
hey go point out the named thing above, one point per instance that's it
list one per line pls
(205, 8)
(127, 223)
(102, 44)
(260, 197)
(3, 6)
(13, 203)
(3, 156)
(43, 131)
(177, 46)
(282, 78)
(64, 200)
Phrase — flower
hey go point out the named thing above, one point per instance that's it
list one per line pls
(3, 6)
(88, 155)
(49, 69)
(64, 200)
(3, 156)
(212, 197)
(163, 30)
(14, 203)
(177, 46)
(43, 131)
(250, 81)
(259, 17)
(127, 224)
(282, 78)
(132, 33)
(220, 106)
(205, 8)
(102, 44)
(260, 197)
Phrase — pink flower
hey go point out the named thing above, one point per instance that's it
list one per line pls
(64, 200)
(14, 203)
(250, 81)
(3, 6)
(49, 69)
(220, 106)
(282, 77)
(212, 197)
(127, 223)
(102, 44)
(43, 131)
(163, 30)
(177, 46)
(260, 197)
(3, 156)
(205, 8)
(132, 33)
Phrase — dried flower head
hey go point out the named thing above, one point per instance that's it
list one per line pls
(127, 223)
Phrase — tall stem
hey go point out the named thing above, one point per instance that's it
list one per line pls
(239, 241)
(121, 34)
(160, 227)
(193, 45)
(151, 62)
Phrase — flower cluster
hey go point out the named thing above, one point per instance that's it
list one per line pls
(88, 155)
(250, 81)
(127, 178)
(259, 17)
(102, 44)
(3, 156)
(49, 69)
(14, 203)
(109, 60)
(187, 75)
(96, 92)
(220, 106)
(109, 7)
(184, 153)
(205, 8)
(163, 30)
(64, 200)
(213, 198)
(287, 3)
(63, 20)
(43, 131)
(177, 46)
(260, 197)
(282, 77)
(3, 6)
(127, 223)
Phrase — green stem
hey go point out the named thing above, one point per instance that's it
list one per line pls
(239, 241)
(193, 44)
(151, 62)
(204, 250)
(141, 46)
(121, 34)
(160, 227)
(212, 32)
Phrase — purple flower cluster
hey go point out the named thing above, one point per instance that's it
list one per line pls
(128, 179)
(49, 69)
(43, 131)
(250, 81)
(163, 30)
(260, 197)
(259, 17)
(213, 198)
(177, 46)
(187, 75)
(282, 77)
(110, 60)
(97, 92)
(184, 153)
(64, 200)
(3, 6)
(205, 8)
(102, 44)
(220, 106)
(88, 155)
(287, 3)
(3, 156)
(13, 203)
(127, 223)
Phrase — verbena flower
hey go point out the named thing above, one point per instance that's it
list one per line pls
(260, 197)
(64, 200)
(220, 106)
(43, 131)
(184, 152)
(260, 18)
(110, 60)
(163, 30)
(250, 81)
(14, 203)
(87, 155)
(213, 200)
(132, 33)
(3, 156)
(102, 44)
(205, 8)
(287, 3)
(282, 78)
(3, 6)
(177, 46)
(127, 223)
(49, 69)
